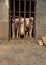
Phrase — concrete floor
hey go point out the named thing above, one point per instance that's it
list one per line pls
(22, 53)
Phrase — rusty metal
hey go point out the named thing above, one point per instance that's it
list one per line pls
(19, 11)
(9, 22)
(34, 29)
(24, 16)
(29, 17)
(19, 18)
(14, 16)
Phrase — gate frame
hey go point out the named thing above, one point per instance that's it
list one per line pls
(34, 22)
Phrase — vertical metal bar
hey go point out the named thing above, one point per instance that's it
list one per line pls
(14, 15)
(9, 21)
(24, 16)
(19, 18)
(19, 8)
(29, 18)
(34, 30)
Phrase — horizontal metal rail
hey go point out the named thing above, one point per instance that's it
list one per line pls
(20, 12)
(24, 0)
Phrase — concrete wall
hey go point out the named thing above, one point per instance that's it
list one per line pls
(4, 19)
(41, 18)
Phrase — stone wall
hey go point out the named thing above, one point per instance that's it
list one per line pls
(41, 18)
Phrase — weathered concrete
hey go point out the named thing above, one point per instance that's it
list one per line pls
(4, 30)
(4, 19)
(41, 18)
(22, 54)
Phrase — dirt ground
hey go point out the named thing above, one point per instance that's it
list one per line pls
(22, 52)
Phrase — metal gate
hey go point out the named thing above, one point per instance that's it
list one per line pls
(25, 9)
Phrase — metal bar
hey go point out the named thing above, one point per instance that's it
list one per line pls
(34, 31)
(14, 16)
(19, 18)
(26, 0)
(29, 18)
(9, 21)
(24, 16)
(19, 8)
(21, 12)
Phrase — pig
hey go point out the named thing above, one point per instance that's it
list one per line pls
(22, 26)
(15, 26)
(27, 26)
(22, 30)
(18, 29)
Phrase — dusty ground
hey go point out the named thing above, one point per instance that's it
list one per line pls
(22, 53)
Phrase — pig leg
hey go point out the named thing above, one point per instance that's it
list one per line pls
(17, 33)
(27, 34)
(31, 31)
(13, 31)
